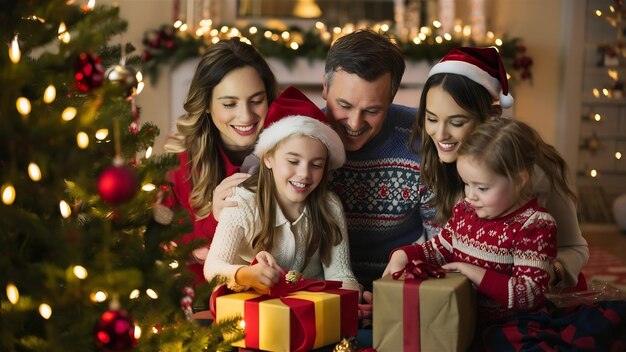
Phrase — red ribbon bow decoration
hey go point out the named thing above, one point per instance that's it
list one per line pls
(286, 286)
(419, 270)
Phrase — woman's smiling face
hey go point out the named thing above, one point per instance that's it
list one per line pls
(446, 123)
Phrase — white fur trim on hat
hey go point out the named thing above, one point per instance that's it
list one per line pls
(477, 75)
(303, 125)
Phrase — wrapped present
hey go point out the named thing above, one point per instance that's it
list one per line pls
(293, 317)
(416, 314)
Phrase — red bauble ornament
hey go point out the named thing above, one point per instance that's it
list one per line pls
(117, 184)
(89, 72)
(115, 331)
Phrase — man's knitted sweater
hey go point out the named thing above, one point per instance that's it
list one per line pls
(385, 202)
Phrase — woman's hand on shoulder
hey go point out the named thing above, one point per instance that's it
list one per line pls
(226, 189)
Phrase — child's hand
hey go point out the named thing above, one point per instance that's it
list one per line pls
(397, 262)
(261, 276)
(366, 301)
(226, 189)
(474, 273)
(267, 258)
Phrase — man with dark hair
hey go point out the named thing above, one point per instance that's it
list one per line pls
(385, 202)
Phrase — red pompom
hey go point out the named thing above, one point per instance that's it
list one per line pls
(115, 331)
(117, 184)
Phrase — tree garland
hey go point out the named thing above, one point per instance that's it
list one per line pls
(170, 46)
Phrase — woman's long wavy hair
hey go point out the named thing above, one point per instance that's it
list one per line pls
(441, 177)
(510, 148)
(196, 132)
(324, 232)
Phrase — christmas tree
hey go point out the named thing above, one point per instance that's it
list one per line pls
(84, 265)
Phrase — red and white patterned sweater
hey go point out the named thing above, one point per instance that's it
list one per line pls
(517, 250)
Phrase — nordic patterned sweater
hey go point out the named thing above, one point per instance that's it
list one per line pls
(517, 250)
(384, 200)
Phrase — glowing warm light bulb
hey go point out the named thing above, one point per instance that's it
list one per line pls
(598, 13)
(148, 152)
(137, 332)
(605, 92)
(13, 294)
(23, 106)
(134, 294)
(438, 39)
(253, 30)
(436, 24)
(618, 155)
(140, 86)
(14, 51)
(69, 113)
(152, 294)
(447, 36)
(596, 93)
(8, 194)
(178, 23)
(34, 172)
(294, 46)
(82, 139)
(65, 209)
(148, 187)
(498, 42)
(593, 173)
(80, 272)
(102, 133)
(467, 31)
(597, 117)
(63, 34)
(99, 296)
(49, 94)
(384, 27)
(174, 264)
(242, 324)
(45, 311)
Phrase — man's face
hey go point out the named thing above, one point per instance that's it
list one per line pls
(356, 108)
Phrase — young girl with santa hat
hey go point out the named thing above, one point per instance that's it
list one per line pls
(286, 218)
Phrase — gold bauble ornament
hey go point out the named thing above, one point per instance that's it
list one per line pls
(123, 77)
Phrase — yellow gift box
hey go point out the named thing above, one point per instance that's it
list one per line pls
(301, 321)
(440, 318)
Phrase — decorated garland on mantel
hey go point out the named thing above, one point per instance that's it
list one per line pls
(169, 45)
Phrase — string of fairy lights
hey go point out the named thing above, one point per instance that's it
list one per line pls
(615, 90)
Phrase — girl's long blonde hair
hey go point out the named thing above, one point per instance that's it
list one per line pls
(324, 232)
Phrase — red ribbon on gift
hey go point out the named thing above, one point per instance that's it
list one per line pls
(302, 322)
(414, 273)
(283, 288)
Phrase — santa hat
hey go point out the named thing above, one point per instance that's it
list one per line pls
(293, 113)
(481, 65)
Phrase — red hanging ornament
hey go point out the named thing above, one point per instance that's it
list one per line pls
(115, 331)
(89, 72)
(117, 184)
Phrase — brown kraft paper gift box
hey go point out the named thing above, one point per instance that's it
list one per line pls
(446, 308)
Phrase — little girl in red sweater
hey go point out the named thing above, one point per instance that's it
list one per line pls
(498, 236)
